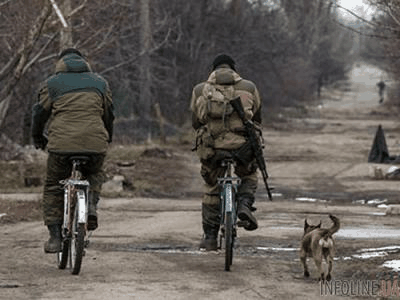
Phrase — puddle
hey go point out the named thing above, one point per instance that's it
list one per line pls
(377, 214)
(367, 253)
(352, 233)
(392, 264)
(368, 233)
(241, 250)
(382, 206)
(279, 251)
(387, 248)
(276, 249)
(376, 202)
(276, 195)
(306, 199)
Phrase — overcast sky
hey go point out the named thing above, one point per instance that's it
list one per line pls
(359, 7)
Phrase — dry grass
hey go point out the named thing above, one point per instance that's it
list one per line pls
(19, 211)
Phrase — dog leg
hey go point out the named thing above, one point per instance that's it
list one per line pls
(330, 263)
(318, 264)
(303, 260)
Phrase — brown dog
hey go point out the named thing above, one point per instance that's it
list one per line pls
(318, 243)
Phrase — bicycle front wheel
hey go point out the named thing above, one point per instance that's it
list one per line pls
(62, 257)
(77, 245)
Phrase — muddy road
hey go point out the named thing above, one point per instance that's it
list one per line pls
(147, 248)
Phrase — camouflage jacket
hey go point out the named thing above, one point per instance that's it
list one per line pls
(226, 133)
(77, 104)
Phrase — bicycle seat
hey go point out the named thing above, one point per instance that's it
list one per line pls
(223, 155)
(81, 158)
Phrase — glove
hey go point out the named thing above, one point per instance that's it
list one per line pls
(40, 142)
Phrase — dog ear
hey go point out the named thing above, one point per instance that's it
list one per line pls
(319, 225)
(306, 224)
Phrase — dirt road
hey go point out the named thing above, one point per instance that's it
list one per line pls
(146, 248)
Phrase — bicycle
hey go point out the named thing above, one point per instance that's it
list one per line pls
(229, 185)
(74, 226)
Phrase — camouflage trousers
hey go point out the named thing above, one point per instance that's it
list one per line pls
(59, 168)
(211, 170)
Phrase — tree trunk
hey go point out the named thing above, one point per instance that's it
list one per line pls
(160, 118)
(66, 40)
(145, 70)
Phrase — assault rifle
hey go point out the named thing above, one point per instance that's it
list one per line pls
(254, 141)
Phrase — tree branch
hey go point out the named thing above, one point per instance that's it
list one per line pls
(369, 22)
(76, 10)
(4, 3)
(138, 56)
(59, 13)
(360, 32)
(390, 11)
(20, 59)
(36, 57)
(357, 16)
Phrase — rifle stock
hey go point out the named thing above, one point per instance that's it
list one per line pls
(254, 141)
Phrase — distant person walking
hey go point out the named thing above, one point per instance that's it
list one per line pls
(381, 85)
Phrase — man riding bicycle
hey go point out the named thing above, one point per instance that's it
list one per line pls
(78, 105)
(219, 130)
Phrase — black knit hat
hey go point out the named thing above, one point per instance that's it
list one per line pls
(69, 51)
(223, 59)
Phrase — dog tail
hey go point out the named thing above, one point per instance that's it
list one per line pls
(326, 241)
(336, 225)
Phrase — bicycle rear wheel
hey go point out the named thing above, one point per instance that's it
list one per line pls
(228, 240)
(229, 224)
(77, 244)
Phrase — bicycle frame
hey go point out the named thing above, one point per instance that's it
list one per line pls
(70, 185)
(229, 184)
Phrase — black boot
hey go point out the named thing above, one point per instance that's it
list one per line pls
(209, 241)
(53, 245)
(94, 198)
(211, 223)
(245, 208)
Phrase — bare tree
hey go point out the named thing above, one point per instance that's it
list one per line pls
(16, 67)
(154, 52)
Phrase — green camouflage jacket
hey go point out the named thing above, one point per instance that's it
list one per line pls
(77, 104)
